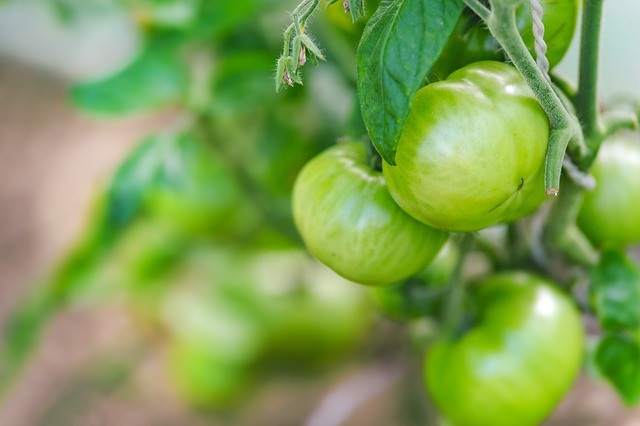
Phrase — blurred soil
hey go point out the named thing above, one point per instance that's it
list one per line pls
(51, 162)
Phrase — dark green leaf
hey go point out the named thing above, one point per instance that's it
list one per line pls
(155, 79)
(615, 291)
(618, 360)
(399, 45)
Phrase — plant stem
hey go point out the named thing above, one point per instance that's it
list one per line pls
(204, 125)
(565, 128)
(478, 8)
(562, 234)
(455, 304)
(586, 98)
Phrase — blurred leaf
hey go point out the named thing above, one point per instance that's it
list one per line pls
(243, 81)
(399, 45)
(155, 79)
(154, 162)
(615, 291)
(217, 18)
(618, 360)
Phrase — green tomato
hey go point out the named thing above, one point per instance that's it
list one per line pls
(348, 220)
(517, 360)
(611, 212)
(310, 317)
(471, 41)
(204, 379)
(472, 150)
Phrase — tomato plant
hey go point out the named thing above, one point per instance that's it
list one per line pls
(349, 221)
(424, 159)
(516, 359)
(472, 150)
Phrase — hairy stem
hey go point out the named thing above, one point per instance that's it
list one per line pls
(565, 128)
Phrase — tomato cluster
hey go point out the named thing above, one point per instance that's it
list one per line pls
(471, 155)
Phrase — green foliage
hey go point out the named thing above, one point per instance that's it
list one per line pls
(615, 296)
(400, 43)
(615, 291)
(618, 360)
(155, 79)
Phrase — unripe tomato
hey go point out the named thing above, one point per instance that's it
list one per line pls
(310, 317)
(348, 220)
(517, 360)
(472, 150)
(204, 379)
(611, 212)
(471, 41)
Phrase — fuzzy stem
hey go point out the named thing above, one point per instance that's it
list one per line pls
(565, 128)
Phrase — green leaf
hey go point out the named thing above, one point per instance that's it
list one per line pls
(618, 360)
(356, 7)
(155, 79)
(309, 44)
(615, 291)
(160, 161)
(399, 45)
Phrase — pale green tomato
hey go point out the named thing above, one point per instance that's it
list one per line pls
(348, 220)
(472, 150)
(517, 360)
(611, 212)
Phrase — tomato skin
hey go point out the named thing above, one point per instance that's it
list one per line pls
(610, 214)
(472, 150)
(471, 41)
(516, 363)
(348, 220)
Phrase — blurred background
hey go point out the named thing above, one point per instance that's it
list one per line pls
(150, 273)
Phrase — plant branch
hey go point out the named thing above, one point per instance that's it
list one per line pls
(454, 307)
(586, 98)
(562, 233)
(204, 125)
(479, 9)
(565, 128)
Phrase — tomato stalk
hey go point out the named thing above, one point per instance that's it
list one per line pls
(373, 156)
(562, 233)
(203, 126)
(454, 311)
(587, 97)
(565, 128)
